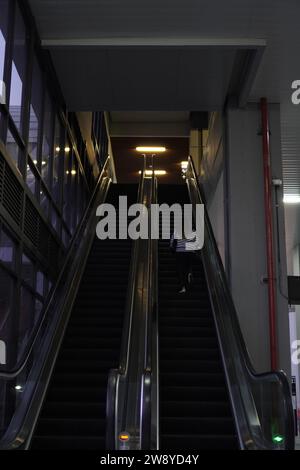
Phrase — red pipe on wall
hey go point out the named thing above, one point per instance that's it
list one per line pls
(269, 230)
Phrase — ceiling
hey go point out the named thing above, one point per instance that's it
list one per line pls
(138, 78)
(174, 55)
(67, 24)
(128, 162)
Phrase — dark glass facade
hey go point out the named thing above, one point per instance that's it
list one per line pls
(45, 177)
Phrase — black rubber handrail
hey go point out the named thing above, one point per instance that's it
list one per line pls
(15, 371)
(259, 377)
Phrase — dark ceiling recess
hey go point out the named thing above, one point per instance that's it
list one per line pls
(199, 120)
(128, 162)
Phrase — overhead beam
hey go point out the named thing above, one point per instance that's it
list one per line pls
(244, 43)
(149, 129)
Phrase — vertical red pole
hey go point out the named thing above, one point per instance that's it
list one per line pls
(269, 230)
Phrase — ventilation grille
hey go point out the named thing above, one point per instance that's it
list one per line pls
(31, 223)
(34, 227)
(290, 151)
(1, 177)
(12, 195)
(38, 233)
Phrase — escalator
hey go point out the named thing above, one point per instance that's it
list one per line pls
(195, 410)
(73, 412)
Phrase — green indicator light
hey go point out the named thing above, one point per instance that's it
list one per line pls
(278, 439)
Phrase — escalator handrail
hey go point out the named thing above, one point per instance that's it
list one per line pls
(132, 278)
(136, 298)
(149, 417)
(15, 371)
(280, 375)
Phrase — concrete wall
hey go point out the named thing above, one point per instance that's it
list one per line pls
(217, 216)
(213, 155)
(247, 239)
(232, 176)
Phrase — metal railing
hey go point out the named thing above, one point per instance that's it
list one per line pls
(261, 403)
(23, 387)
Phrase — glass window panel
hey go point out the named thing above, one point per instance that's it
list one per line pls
(7, 250)
(47, 139)
(35, 109)
(18, 69)
(27, 270)
(56, 185)
(26, 322)
(31, 180)
(37, 310)
(44, 202)
(12, 147)
(3, 35)
(73, 205)
(80, 197)
(65, 238)
(67, 184)
(40, 279)
(6, 303)
(55, 221)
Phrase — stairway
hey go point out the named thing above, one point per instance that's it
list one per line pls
(195, 411)
(73, 413)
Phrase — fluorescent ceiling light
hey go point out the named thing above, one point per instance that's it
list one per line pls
(156, 172)
(67, 149)
(184, 165)
(73, 172)
(150, 149)
(57, 149)
(291, 198)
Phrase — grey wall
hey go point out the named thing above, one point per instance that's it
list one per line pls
(241, 209)
(247, 239)
(216, 215)
(213, 155)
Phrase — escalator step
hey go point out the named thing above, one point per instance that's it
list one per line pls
(178, 424)
(74, 411)
(68, 426)
(189, 366)
(77, 410)
(196, 379)
(215, 391)
(195, 411)
(83, 442)
(210, 409)
(200, 442)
